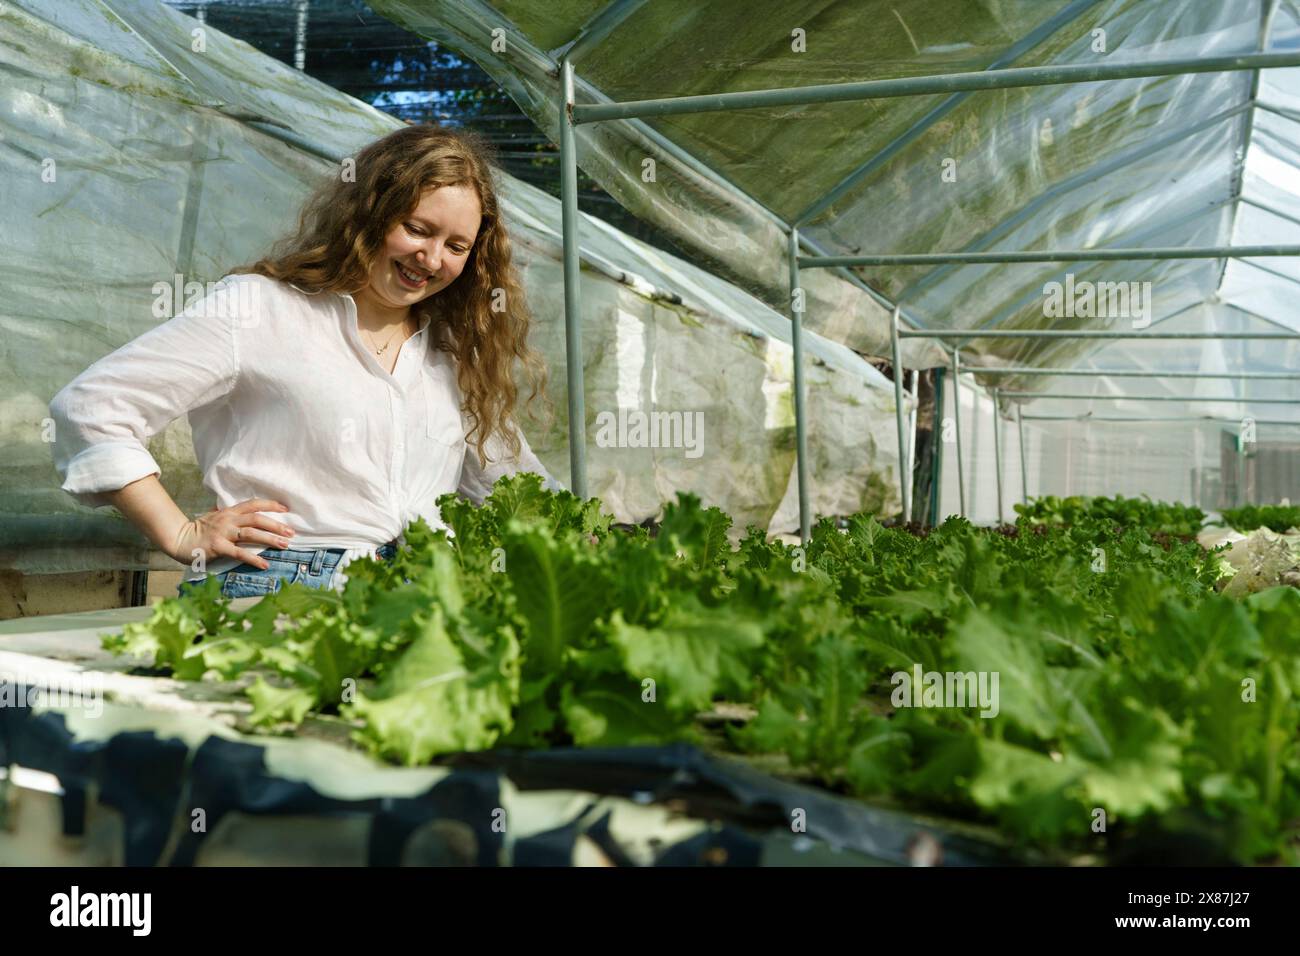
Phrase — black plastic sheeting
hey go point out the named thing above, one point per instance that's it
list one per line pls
(711, 787)
(148, 780)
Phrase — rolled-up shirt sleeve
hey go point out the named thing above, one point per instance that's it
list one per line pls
(103, 417)
(476, 481)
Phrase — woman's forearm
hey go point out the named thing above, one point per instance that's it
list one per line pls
(146, 504)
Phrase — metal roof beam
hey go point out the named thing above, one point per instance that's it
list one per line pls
(1130, 373)
(1268, 209)
(1014, 78)
(1152, 398)
(1087, 334)
(1278, 111)
(1055, 255)
(1084, 419)
(1254, 315)
(1272, 272)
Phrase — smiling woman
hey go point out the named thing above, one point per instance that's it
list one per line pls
(423, 198)
(334, 388)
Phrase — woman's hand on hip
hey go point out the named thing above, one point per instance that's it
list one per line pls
(219, 532)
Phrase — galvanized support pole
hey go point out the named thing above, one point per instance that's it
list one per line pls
(1241, 472)
(911, 437)
(903, 473)
(570, 221)
(1024, 466)
(956, 423)
(800, 420)
(1016, 78)
(1242, 491)
(997, 448)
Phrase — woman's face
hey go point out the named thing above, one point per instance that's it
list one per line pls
(425, 251)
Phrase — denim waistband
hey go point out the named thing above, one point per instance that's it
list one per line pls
(306, 555)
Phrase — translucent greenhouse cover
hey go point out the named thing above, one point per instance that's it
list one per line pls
(1194, 160)
(134, 149)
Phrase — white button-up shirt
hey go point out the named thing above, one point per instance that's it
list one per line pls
(285, 402)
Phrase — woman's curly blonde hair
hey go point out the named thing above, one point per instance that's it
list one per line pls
(482, 318)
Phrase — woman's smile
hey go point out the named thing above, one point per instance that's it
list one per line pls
(414, 279)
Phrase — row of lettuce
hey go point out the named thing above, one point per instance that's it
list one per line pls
(1157, 516)
(1078, 684)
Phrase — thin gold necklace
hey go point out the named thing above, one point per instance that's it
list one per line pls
(384, 348)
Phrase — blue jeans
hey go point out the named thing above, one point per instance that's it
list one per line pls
(314, 568)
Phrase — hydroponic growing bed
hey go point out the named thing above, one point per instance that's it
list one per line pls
(1085, 687)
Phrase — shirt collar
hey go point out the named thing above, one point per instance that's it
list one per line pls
(419, 333)
(424, 323)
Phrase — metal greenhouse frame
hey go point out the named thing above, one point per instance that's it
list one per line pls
(997, 77)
